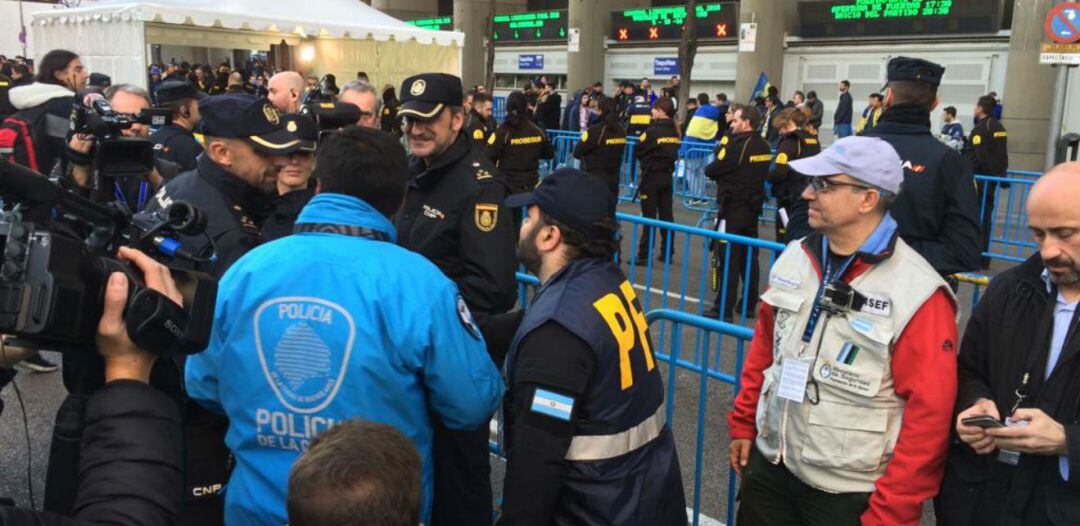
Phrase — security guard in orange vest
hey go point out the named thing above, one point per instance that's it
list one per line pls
(740, 166)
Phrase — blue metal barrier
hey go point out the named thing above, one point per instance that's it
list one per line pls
(498, 109)
(699, 366)
(1009, 239)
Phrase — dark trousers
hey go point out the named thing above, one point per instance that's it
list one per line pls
(987, 190)
(462, 477)
(771, 496)
(741, 220)
(655, 195)
(610, 176)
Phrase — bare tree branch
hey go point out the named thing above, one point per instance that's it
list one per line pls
(687, 53)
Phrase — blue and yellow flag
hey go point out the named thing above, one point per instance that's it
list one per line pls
(762, 87)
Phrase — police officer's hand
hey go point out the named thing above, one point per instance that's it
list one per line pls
(1041, 436)
(739, 455)
(973, 436)
(123, 360)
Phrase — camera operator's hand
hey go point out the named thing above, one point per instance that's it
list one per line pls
(79, 148)
(123, 360)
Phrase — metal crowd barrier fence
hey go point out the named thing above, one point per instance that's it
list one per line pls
(498, 108)
(1005, 199)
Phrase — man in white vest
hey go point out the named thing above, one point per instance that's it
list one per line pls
(847, 392)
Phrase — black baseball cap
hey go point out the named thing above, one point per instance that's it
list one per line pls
(304, 128)
(424, 96)
(176, 91)
(571, 197)
(907, 68)
(242, 116)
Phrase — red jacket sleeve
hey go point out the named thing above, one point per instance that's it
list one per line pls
(741, 419)
(924, 375)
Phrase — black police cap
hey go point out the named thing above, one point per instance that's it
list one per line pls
(176, 91)
(304, 128)
(424, 96)
(242, 116)
(573, 198)
(907, 68)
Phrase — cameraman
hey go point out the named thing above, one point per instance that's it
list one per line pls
(176, 141)
(130, 462)
(131, 191)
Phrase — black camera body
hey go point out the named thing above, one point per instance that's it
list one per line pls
(114, 154)
(53, 274)
(331, 116)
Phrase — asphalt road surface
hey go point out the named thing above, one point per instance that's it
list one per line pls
(657, 286)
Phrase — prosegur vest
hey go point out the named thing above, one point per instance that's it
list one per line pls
(841, 437)
(623, 467)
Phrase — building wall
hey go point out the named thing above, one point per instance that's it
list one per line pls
(9, 25)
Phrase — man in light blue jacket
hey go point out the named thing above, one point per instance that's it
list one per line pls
(337, 322)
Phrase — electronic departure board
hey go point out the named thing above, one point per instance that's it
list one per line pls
(713, 21)
(855, 18)
(439, 23)
(531, 27)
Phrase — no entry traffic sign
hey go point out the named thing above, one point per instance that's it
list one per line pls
(1063, 23)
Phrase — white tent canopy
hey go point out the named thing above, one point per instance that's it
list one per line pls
(113, 36)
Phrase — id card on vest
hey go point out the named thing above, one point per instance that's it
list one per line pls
(854, 352)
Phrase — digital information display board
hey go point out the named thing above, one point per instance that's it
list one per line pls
(716, 21)
(531, 27)
(855, 18)
(441, 23)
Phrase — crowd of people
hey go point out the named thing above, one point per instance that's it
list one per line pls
(365, 330)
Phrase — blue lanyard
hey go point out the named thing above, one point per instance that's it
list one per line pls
(827, 277)
(123, 199)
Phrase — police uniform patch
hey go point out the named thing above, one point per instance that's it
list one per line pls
(976, 140)
(486, 216)
(291, 126)
(642, 139)
(781, 158)
(552, 404)
(491, 140)
(271, 114)
(724, 140)
(584, 136)
(418, 87)
(721, 154)
(478, 135)
(466, 318)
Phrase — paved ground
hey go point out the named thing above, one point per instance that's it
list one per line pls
(42, 393)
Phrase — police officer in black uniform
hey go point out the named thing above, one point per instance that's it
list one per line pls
(739, 169)
(574, 392)
(518, 145)
(295, 186)
(988, 151)
(247, 145)
(176, 141)
(481, 125)
(638, 116)
(454, 216)
(657, 150)
(602, 145)
(938, 211)
(796, 142)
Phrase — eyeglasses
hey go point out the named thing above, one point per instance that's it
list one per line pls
(824, 184)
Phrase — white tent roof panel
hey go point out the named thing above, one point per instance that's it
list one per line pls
(334, 18)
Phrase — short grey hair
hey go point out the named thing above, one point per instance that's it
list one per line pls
(361, 86)
(130, 89)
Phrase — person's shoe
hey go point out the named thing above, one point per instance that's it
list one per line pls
(641, 261)
(712, 312)
(38, 364)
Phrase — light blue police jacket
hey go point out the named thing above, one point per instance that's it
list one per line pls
(317, 328)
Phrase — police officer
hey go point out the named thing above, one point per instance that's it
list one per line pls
(481, 125)
(938, 212)
(295, 187)
(796, 142)
(638, 116)
(848, 391)
(740, 167)
(176, 141)
(583, 418)
(453, 215)
(988, 151)
(657, 150)
(518, 145)
(601, 146)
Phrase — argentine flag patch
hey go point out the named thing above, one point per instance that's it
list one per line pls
(552, 404)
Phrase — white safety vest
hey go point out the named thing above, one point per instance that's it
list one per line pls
(842, 435)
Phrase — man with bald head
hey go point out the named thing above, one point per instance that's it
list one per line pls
(1018, 459)
(285, 91)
